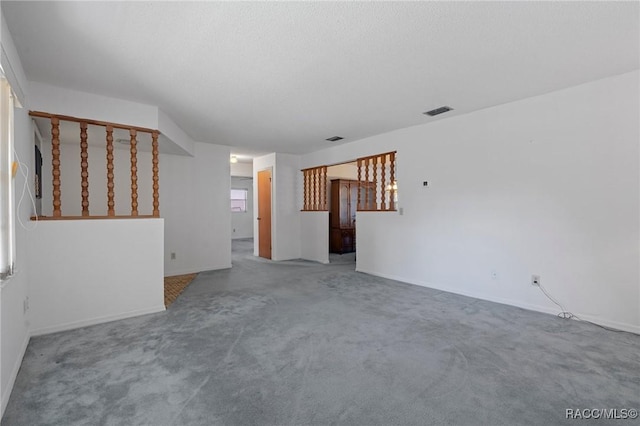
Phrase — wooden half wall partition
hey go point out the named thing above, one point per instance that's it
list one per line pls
(377, 185)
(55, 120)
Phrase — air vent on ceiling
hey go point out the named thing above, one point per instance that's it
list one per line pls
(335, 138)
(437, 111)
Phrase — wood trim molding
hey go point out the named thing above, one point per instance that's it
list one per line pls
(49, 218)
(41, 114)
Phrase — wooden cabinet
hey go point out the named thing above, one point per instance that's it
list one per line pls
(368, 196)
(342, 216)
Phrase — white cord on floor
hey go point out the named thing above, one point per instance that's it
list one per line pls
(24, 171)
(564, 314)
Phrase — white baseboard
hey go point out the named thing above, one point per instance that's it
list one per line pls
(195, 270)
(94, 321)
(537, 308)
(14, 374)
(324, 260)
(611, 324)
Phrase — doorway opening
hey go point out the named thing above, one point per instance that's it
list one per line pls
(241, 204)
(342, 198)
(367, 184)
(241, 195)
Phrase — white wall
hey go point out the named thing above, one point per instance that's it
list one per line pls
(14, 327)
(242, 222)
(174, 133)
(547, 185)
(343, 171)
(285, 204)
(11, 64)
(241, 169)
(14, 331)
(194, 201)
(314, 236)
(91, 271)
(57, 100)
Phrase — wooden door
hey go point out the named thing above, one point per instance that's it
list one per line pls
(264, 214)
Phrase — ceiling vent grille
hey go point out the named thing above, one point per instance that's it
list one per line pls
(437, 111)
(334, 138)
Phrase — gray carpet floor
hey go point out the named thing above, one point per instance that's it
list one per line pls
(297, 343)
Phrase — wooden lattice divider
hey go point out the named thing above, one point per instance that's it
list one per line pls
(133, 149)
(314, 188)
(55, 166)
(376, 185)
(392, 165)
(84, 166)
(156, 178)
(111, 204)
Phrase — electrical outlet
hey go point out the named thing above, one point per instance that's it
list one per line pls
(25, 305)
(173, 256)
(494, 274)
(535, 280)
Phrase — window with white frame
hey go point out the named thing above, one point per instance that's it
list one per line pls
(7, 243)
(239, 200)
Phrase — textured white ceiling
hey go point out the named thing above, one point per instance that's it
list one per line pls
(283, 76)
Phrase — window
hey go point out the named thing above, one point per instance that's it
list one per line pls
(239, 200)
(7, 244)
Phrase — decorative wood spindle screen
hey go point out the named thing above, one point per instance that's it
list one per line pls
(315, 189)
(55, 162)
(378, 189)
(134, 172)
(111, 203)
(84, 166)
